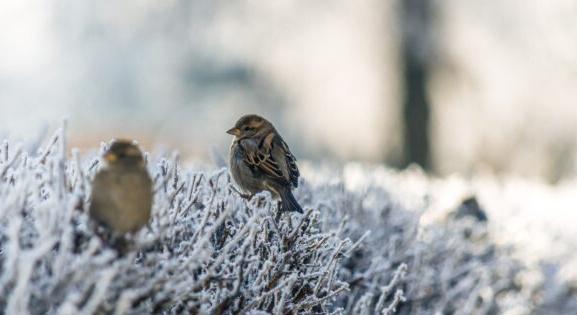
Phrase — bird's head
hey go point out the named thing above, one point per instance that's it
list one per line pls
(124, 153)
(249, 126)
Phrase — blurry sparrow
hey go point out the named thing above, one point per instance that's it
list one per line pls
(261, 160)
(122, 191)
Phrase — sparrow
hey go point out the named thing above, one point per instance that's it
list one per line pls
(122, 192)
(261, 160)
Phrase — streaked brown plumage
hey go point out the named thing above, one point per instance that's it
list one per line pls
(261, 160)
(122, 191)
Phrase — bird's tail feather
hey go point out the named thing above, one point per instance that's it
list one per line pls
(289, 203)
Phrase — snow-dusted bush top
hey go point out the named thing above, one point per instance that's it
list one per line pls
(209, 251)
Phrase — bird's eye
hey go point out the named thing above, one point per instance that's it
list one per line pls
(247, 128)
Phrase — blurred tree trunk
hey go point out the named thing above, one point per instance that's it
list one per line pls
(417, 48)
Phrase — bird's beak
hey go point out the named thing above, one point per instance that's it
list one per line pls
(110, 157)
(234, 131)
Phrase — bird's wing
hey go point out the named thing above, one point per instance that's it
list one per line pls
(290, 161)
(272, 157)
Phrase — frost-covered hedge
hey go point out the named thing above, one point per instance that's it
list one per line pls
(209, 251)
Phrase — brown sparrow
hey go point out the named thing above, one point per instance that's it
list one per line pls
(122, 191)
(261, 160)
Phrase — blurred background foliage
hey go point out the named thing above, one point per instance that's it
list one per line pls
(454, 85)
